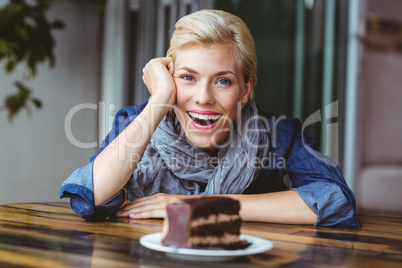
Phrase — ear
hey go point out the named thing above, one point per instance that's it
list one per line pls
(247, 91)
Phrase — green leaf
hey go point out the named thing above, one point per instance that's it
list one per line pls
(26, 35)
(37, 103)
(14, 103)
(22, 89)
(10, 66)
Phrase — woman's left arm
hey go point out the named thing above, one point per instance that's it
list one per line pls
(278, 207)
(315, 178)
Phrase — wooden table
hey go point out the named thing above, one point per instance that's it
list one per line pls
(51, 235)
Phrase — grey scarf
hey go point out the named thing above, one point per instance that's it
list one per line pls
(171, 164)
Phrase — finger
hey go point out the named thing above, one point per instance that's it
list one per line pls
(170, 66)
(156, 213)
(141, 210)
(124, 211)
(135, 207)
(164, 60)
(143, 201)
(147, 203)
(138, 207)
(167, 62)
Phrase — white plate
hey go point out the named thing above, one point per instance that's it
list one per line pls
(258, 245)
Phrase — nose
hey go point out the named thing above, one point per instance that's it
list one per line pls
(204, 95)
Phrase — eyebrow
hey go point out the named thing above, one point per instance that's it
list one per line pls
(190, 70)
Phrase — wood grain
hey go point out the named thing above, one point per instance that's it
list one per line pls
(51, 235)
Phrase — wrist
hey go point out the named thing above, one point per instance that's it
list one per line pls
(159, 105)
(161, 100)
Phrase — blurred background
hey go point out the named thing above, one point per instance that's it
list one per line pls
(334, 64)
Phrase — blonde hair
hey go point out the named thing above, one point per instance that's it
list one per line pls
(217, 27)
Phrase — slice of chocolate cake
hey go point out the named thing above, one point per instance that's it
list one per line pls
(208, 221)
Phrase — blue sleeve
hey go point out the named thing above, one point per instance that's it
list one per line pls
(316, 178)
(79, 186)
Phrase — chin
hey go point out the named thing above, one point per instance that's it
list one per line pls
(203, 143)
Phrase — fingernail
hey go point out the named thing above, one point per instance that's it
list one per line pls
(132, 215)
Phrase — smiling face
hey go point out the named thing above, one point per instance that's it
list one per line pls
(210, 92)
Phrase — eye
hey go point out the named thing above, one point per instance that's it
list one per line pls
(187, 77)
(224, 81)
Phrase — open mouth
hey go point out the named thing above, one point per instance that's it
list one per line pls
(204, 119)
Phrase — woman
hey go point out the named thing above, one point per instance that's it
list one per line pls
(201, 133)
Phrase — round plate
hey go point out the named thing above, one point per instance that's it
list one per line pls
(258, 245)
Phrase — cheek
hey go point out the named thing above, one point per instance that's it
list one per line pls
(230, 103)
(182, 95)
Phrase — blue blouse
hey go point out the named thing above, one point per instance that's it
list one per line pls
(314, 177)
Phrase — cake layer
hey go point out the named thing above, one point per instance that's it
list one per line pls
(205, 206)
(214, 219)
(227, 241)
(218, 229)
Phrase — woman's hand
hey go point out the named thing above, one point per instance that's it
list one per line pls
(148, 207)
(158, 77)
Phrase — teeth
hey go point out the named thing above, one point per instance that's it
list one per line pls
(204, 116)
